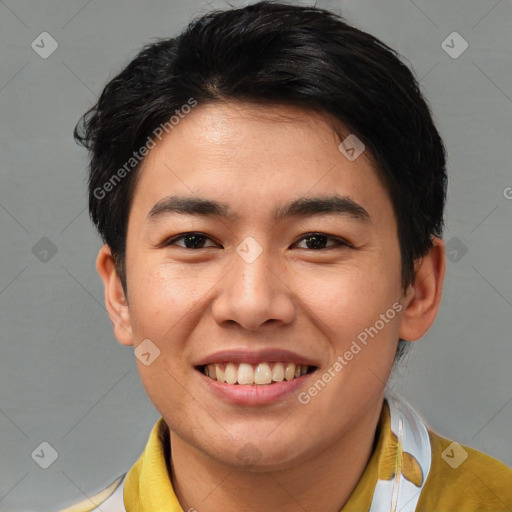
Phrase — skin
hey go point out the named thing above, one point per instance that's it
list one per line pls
(314, 301)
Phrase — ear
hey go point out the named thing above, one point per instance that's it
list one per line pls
(115, 299)
(423, 296)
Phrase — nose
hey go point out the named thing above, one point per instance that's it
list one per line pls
(252, 294)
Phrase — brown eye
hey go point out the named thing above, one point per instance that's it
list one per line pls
(318, 241)
(190, 241)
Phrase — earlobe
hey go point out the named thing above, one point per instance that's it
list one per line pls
(423, 297)
(115, 299)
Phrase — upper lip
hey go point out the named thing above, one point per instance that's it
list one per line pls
(240, 355)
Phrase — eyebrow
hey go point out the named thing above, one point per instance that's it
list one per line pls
(304, 207)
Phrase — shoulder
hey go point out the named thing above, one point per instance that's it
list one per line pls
(108, 500)
(464, 479)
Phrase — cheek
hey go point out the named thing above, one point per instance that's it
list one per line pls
(169, 301)
(158, 300)
(349, 300)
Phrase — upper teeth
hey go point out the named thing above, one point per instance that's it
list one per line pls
(262, 373)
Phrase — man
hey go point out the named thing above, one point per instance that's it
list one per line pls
(270, 188)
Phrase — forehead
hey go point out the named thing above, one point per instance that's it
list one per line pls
(252, 155)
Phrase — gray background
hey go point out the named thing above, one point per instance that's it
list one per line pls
(65, 380)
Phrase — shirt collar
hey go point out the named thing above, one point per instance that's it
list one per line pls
(148, 485)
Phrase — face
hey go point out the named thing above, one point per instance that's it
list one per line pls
(294, 260)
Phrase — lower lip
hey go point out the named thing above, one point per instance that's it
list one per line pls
(254, 394)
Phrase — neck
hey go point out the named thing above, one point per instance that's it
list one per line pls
(323, 482)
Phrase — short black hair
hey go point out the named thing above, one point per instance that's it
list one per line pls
(272, 53)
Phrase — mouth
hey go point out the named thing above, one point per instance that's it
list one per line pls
(260, 374)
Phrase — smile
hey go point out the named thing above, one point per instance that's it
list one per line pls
(260, 374)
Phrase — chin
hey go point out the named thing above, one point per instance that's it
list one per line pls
(263, 455)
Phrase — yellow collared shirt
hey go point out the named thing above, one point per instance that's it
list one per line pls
(453, 482)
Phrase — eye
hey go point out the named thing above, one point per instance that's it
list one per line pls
(317, 241)
(191, 241)
(313, 241)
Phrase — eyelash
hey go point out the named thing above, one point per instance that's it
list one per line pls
(339, 242)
